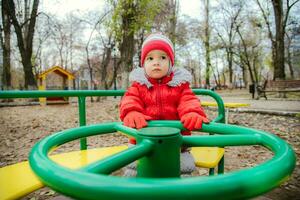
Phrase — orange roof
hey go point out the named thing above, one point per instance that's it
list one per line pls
(58, 70)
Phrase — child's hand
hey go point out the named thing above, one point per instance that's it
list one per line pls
(193, 121)
(135, 119)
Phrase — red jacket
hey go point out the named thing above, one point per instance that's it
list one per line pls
(166, 99)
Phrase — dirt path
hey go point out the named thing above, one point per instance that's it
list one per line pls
(22, 127)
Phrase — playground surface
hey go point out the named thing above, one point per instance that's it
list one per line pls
(274, 105)
(21, 127)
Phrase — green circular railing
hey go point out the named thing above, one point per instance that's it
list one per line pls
(93, 182)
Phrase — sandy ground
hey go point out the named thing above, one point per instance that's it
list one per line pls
(21, 127)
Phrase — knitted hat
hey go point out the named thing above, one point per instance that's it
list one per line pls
(157, 41)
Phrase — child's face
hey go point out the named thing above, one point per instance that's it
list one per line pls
(157, 64)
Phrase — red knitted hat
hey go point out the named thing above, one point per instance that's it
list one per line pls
(157, 41)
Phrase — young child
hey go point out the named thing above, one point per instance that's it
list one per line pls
(161, 92)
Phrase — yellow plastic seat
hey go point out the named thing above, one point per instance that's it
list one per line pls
(208, 157)
(18, 179)
(226, 105)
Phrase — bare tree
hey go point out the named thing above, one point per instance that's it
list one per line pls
(5, 44)
(43, 32)
(173, 4)
(281, 17)
(91, 69)
(127, 42)
(231, 15)
(25, 34)
(291, 34)
(207, 45)
(87, 46)
(60, 37)
(245, 57)
(61, 45)
(289, 57)
(64, 46)
(215, 69)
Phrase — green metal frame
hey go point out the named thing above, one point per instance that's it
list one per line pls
(92, 182)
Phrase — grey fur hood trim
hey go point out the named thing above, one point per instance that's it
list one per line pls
(181, 75)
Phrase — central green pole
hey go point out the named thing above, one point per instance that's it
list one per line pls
(164, 160)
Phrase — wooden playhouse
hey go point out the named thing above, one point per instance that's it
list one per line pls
(55, 78)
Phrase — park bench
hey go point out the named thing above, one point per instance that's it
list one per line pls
(281, 87)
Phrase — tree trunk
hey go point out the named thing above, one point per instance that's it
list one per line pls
(224, 78)
(173, 21)
(127, 43)
(140, 41)
(105, 63)
(127, 51)
(245, 79)
(5, 43)
(61, 56)
(245, 58)
(199, 75)
(30, 81)
(105, 80)
(219, 78)
(279, 72)
(289, 57)
(207, 45)
(255, 70)
(230, 59)
(25, 41)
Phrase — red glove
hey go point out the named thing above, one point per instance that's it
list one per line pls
(135, 119)
(193, 121)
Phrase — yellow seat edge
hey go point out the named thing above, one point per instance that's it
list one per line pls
(28, 182)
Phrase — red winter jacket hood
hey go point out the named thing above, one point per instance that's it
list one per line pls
(166, 99)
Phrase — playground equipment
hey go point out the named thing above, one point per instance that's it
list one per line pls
(55, 78)
(227, 106)
(160, 180)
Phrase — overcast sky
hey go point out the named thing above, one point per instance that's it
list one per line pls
(60, 8)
